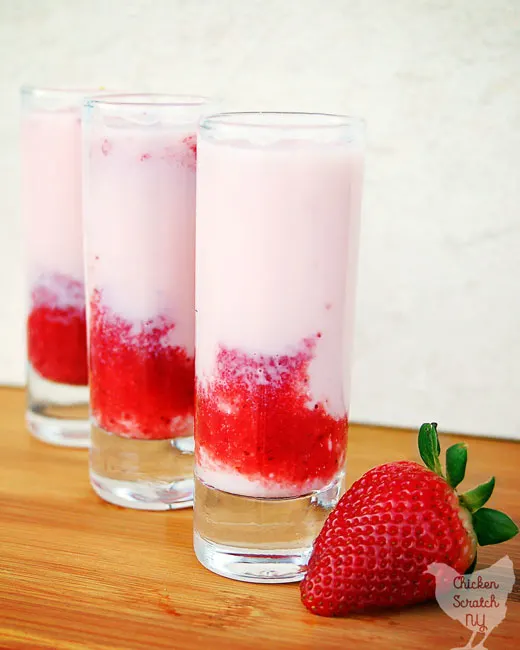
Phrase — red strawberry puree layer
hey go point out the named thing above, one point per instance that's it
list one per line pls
(255, 418)
(141, 386)
(56, 330)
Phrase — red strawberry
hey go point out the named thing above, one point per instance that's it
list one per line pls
(391, 524)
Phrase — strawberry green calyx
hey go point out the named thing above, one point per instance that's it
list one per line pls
(493, 527)
(429, 447)
(456, 459)
(474, 499)
(490, 526)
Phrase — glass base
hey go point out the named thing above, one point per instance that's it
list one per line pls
(259, 540)
(142, 474)
(57, 413)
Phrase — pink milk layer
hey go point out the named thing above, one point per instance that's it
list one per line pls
(140, 243)
(51, 199)
(277, 239)
(51, 186)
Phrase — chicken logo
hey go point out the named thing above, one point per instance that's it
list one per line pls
(477, 600)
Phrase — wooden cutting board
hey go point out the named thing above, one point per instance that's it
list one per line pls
(79, 574)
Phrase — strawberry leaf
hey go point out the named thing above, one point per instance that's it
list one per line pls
(456, 459)
(477, 497)
(429, 447)
(493, 527)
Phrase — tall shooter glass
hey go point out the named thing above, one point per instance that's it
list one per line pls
(278, 205)
(57, 374)
(139, 212)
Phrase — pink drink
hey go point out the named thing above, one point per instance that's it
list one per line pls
(275, 228)
(51, 158)
(278, 206)
(141, 282)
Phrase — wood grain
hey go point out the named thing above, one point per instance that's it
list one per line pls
(78, 574)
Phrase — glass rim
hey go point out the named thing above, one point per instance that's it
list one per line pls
(147, 100)
(281, 120)
(56, 91)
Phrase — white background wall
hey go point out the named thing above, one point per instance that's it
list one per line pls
(438, 81)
